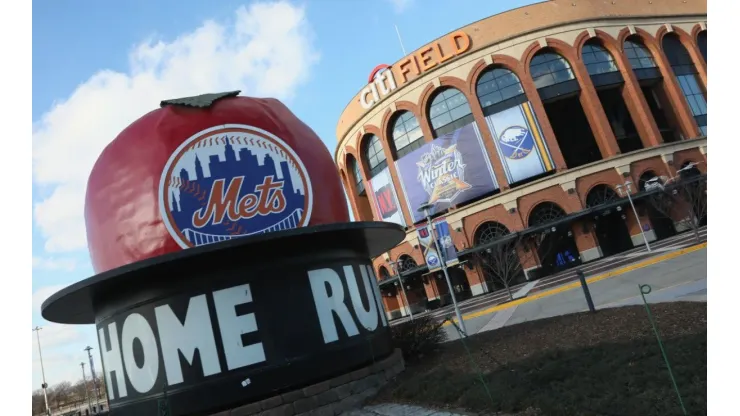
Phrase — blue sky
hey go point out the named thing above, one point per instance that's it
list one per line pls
(89, 65)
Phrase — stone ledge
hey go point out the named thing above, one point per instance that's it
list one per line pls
(329, 397)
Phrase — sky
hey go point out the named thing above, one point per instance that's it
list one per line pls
(98, 66)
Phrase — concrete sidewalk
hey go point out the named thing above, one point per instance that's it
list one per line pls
(680, 278)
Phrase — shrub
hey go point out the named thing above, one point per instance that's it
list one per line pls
(418, 337)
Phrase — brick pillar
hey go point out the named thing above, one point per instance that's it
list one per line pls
(478, 285)
(547, 131)
(586, 241)
(634, 228)
(529, 259)
(636, 104)
(594, 111)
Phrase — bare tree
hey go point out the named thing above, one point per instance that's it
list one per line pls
(684, 201)
(61, 393)
(37, 402)
(504, 262)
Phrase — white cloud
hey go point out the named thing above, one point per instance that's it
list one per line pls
(266, 50)
(54, 264)
(400, 5)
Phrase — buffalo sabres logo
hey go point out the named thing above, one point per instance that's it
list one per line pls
(516, 142)
(442, 174)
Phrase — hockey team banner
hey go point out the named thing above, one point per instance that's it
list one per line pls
(520, 143)
(450, 170)
(385, 198)
(431, 249)
(444, 239)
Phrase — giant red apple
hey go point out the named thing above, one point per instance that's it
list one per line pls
(206, 169)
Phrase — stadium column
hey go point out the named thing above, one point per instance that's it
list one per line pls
(635, 101)
(634, 227)
(350, 193)
(586, 240)
(539, 109)
(595, 114)
(685, 119)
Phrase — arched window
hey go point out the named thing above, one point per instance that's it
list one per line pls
(489, 232)
(599, 195)
(638, 55)
(359, 185)
(498, 89)
(374, 156)
(685, 71)
(449, 111)
(405, 263)
(549, 68)
(597, 59)
(384, 273)
(406, 133)
(701, 40)
(544, 213)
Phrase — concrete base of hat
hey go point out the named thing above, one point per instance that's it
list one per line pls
(330, 397)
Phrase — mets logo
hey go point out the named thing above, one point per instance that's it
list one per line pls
(516, 142)
(442, 173)
(233, 181)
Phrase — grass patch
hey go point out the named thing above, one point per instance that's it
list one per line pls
(607, 363)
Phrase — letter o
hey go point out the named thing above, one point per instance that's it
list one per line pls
(142, 379)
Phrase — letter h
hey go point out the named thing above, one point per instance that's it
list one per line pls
(112, 362)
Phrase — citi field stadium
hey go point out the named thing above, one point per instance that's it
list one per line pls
(527, 130)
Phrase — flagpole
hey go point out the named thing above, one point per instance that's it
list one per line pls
(399, 40)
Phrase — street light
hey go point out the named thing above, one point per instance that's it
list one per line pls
(87, 396)
(627, 188)
(43, 376)
(94, 378)
(426, 210)
(397, 271)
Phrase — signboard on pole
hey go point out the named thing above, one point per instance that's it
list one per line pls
(448, 171)
(431, 249)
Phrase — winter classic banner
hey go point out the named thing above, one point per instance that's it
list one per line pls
(519, 141)
(450, 170)
(385, 198)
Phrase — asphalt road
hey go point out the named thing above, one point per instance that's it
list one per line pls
(680, 278)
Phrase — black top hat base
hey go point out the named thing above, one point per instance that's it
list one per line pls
(217, 326)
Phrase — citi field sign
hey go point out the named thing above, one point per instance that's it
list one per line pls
(385, 79)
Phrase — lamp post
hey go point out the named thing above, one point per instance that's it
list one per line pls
(426, 210)
(87, 395)
(397, 271)
(43, 376)
(94, 379)
(627, 188)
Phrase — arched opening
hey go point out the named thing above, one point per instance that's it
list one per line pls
(685, 71)
(651, 83)
(701, 40)
(360, 193)
(514, 126)
(413, 285)
(661, 224)
(389, 293)
(405, 133)
(500, 264)
(559, 91)
(609, 86)
(448, 111)
(609, 224)
(556, 246)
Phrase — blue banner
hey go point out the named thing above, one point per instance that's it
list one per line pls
(520, 142)
(445, 243)
(448, 171)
